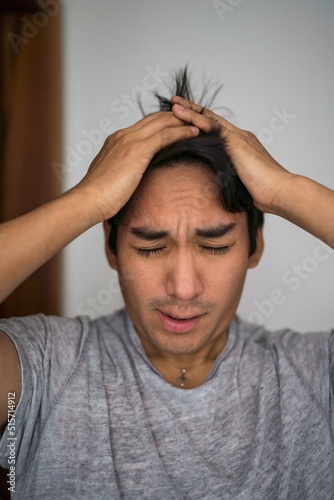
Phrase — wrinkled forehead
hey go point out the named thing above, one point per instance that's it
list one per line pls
(170, 193)
(181, 182)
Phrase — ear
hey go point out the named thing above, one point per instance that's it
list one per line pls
(111, 257)
(256, 256)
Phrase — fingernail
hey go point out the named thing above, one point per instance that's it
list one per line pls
(194, 129)
(178, 106)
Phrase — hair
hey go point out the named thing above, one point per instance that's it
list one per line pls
(206, 150)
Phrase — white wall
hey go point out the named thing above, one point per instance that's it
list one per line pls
(271, 55)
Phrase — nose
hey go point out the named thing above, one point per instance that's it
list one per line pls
(183, 277)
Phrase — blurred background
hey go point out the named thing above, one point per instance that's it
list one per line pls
(70, 75)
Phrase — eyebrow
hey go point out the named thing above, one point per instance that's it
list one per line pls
(216, 231)
(148, 234)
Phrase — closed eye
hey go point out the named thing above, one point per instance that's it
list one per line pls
(216, 250)
(147, 252)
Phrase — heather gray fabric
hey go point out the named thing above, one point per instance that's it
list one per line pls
(97, 421)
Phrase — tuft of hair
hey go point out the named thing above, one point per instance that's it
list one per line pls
(206, 149)
(181, 86)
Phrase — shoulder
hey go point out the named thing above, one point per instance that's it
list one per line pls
(41, 350)
(40, 328)
(284, 338)
(42, 334)
(308, 355)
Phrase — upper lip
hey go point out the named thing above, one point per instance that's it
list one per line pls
(180, 316)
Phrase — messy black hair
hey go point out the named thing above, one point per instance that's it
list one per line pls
(206, 149)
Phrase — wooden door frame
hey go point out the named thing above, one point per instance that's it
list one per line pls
(20, 190)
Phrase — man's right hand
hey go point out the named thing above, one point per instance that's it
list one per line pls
(117, 170)
(27, 242)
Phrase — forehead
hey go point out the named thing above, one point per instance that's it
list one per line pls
(172, 191)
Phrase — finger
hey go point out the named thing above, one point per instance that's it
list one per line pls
(146, 128)
(143, 122)
(203, 122)
(169, 135)
(186, 103)
(157, 123)
(206, 112)
(135, 126)
(148, 119)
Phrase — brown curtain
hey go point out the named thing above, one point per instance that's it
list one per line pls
(29, 140)
(30, 136)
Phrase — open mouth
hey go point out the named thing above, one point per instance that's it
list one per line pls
(178, 324)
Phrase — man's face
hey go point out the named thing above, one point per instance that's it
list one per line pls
(182, 260)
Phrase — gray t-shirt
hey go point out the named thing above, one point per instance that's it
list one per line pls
(97, 421)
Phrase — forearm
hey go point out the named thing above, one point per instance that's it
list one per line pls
(27, 242)
(309, 205)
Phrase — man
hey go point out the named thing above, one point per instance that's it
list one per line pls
(174, 397)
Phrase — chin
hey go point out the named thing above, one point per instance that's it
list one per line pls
(178, 343)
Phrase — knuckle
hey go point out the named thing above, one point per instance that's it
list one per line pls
(108, 140)
(250, 135)
(119, 134)
(125, 141)
(113, 138)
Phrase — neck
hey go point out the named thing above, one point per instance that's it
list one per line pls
(185, 370)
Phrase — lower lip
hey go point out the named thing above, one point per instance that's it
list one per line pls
(178, 325)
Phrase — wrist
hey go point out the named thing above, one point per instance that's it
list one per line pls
(81, 205)
(283, 197)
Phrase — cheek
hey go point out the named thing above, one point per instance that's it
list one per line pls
(237, 268)
(137, 278)
(229, 276)
(127, 278)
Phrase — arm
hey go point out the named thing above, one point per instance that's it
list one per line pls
(298, 199)
(9, 376)
(29, 241)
